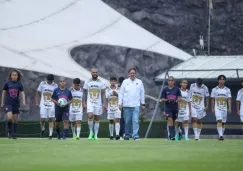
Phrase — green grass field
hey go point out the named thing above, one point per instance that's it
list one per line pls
(104, 155)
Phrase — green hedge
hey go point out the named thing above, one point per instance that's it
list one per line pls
(32, 129)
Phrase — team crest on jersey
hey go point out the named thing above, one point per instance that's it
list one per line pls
(113, 102)
(196, 99)
(221, 101)
(183, 104)
(76, 103)
(94, 93)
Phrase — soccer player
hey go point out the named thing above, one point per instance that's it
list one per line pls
(198, 93)
(47, 109)
(113, 113)
(219, 97)
(10, 100)
(184, 111)
(62, 112)
(239, 103)
(171, 95)
(76, 109)
(93, 99)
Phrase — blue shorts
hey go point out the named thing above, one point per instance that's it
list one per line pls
(61, 114)
(12, 108)
(171, 114)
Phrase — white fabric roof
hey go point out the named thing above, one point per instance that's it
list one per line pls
(206, 67)
(38, 35)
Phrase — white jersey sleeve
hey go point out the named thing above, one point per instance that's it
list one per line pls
(239, 95)
(40, 86)
(206, 91)
(85, 85)
(213, 93)
(228, 93)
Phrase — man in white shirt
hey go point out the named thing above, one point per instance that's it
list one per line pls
(131, 98)
(93, 99)
(239, 103)
(47, 108)
(198, 93)
(220, 96)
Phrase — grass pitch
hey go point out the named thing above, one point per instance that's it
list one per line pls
(105, 155)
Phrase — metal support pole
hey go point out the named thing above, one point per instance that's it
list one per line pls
(209, 27)
(157, 105)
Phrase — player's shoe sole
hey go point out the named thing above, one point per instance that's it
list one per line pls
(111, 138)
(91, 136)
(117, 137)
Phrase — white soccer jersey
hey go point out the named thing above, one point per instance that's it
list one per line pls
(112, 100)
(46, 93)
(240, 98)
(197, 95)
(94, 91)
(184, 107)
(220, 96)
(76, 106)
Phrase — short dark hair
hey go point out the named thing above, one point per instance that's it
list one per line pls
(113, 79)
(18, 73)
(220, 76)
(131, 70)
(50, 77)
(76, 81)
(183, 80)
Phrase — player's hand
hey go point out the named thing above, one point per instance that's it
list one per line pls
(24, 103)
(120, 107)
(115, 93)
(229, 111)
(2, 105)
(37, 104)
(238, 112)
(142, 108)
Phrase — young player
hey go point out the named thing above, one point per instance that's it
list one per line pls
(93, 98)
(184, 111)
(171, 95)
(11, 102)
(76, 109)
(47, 109)
(62, 112)
(198, 93)
(239, 103)
(113, 113)
(219, 98)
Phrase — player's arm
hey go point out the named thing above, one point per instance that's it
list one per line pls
(229, 101)
(21, 89)
(104, 100)
(207, 98)
(37, 98)
(121, 95)
(70, 98)
(2, 98)
(163, 96)
(142, 97)
(54, 98)
(212, 101)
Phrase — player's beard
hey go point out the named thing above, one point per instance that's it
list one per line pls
(94, 77)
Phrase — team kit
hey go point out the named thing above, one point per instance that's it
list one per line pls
(61, 104)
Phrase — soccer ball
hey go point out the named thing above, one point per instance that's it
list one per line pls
(62, 102)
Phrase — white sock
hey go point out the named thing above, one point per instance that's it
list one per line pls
(43, 127)
(50, 131)
(198, 132)
(91, 125)
(186, 128)
(96, 128)
(168, 131)
(117, 128)
(223, 129)
(177, 129)
(111, 128)
(195, 132)
(73, 130)
(220, 132)
(78, 131)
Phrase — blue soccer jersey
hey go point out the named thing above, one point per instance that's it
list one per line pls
(58, 93)
(172, 96)
(13, 89)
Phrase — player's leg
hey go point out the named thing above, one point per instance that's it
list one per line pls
(43, 117)
(90, 110)
(122, 126)
(96, 126)
(111, 128)
(58, 118)
(15, 119)
(241, 120)
(177, 129)
(224, 119)
(78, 125)
(170, 123)
(194, 123)
(186, 127)
(127, 113)
(65, 118)
(135, 123)
(51, 116)
(201, 115)
(117, 124)
(10, 120)
(73, 128)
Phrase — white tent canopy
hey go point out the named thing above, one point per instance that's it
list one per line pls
(207, 67)
(38, 35)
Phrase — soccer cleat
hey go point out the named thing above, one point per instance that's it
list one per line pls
(172, 139)
(111, 138)
(50, 137)
(91, 136)
(42, 134)
(74, 137)
(221, 138)
(177, 138)
(117, 137)
(180, 136)
(96, 138)
(58, 137)
(77, 137)
(14, 137)
(187, 139)
(64, 138)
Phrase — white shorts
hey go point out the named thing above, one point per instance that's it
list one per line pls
(198, 113)
(241, 118)
(221, 115)
(182, 118)
(112, 116)
(47, 112)
(96, 110)
(75, 117)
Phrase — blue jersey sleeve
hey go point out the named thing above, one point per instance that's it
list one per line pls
(5, 87)
(163, 94)
(21, 88)
(70, 96)
(54, 95)
(178, 92)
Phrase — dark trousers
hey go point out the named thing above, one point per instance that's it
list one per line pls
(122, 125)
